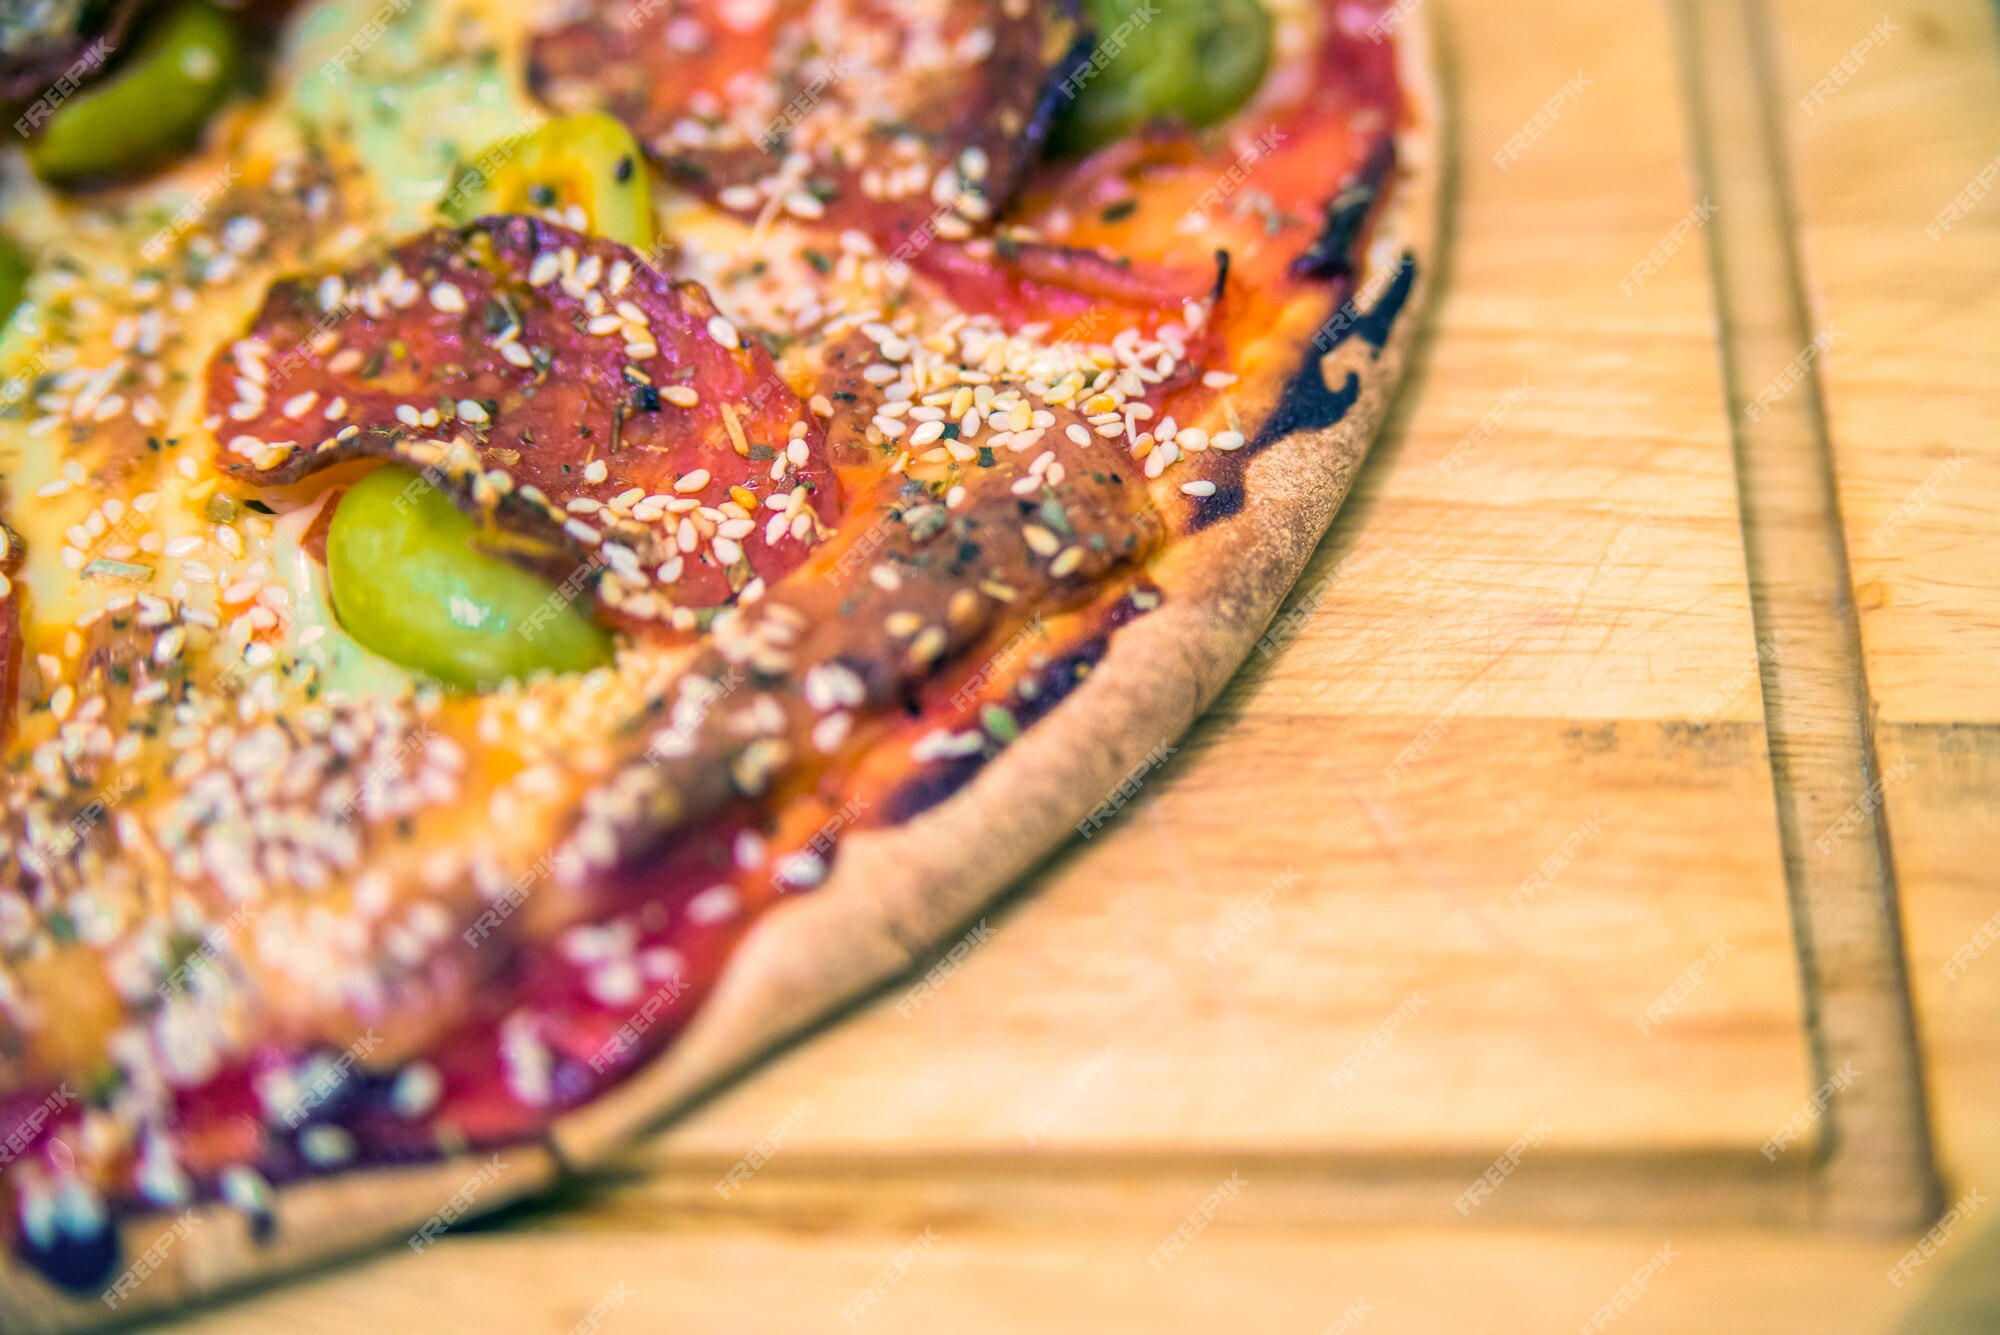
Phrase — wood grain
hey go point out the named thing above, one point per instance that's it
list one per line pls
(1877, 1170)
(1911, 396)
(1230, 1278)
(1524, 661)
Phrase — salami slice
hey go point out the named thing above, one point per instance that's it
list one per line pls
(891, 117)
(1083, 293)
(595, 412)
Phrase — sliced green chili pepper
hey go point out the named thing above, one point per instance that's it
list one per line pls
(14, 270)
(590, 161)
(151, 107)
(409, 583)
(1192, 60)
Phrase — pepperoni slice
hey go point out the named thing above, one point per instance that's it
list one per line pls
(1086, 293)
(556, 385)
(900, 117)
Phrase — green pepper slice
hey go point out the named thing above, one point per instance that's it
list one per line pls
(409, 582)
(1195, 61)
(152, 107)
(14, 270)
(590, 161)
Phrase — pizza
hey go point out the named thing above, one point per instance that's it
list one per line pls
(547, 548)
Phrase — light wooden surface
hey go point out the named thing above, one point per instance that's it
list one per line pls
(1564, 610)
(1913, 392)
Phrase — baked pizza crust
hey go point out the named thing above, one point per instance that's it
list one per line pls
(895, 894)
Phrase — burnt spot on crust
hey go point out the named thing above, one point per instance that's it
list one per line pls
(1334, 251)
(1307, 403)
(1037, 692)
(1225, 501)
(77, 1255)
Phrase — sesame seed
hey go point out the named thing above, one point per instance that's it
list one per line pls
(929, 645)
(737, 440)
(724, 333)
(831, 731)
(1197, 488)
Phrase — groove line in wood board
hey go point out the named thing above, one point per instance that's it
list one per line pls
(1876, 1170)
(1091, 1187)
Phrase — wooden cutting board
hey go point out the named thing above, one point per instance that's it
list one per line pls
(1631, 769)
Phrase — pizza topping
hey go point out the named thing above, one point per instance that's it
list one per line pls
(891, 116)
(584, 170)
(14, 270)
(101, 381)
(410, 582)
(10, 629)
(1195, 61)
(153, 106)
(1030, 502)
(1083, 294)
(607, 417)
